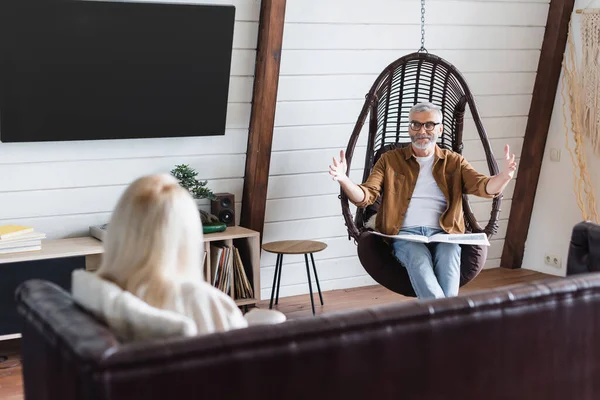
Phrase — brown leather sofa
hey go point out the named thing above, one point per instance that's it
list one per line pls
(529, 341)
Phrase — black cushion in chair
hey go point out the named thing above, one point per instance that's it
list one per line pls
(378, 260)
(472, 260)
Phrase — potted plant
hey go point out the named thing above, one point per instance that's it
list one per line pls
(187, 179)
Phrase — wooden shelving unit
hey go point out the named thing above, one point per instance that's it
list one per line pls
(59, 248)
(246, 240)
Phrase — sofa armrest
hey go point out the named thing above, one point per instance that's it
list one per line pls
(61, 345)
(584, 249)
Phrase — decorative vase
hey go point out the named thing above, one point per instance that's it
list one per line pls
(214, 227)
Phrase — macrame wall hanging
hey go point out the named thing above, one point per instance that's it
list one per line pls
(581, 85)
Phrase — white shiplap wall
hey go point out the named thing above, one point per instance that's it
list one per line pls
(61, 188)
(332, 52)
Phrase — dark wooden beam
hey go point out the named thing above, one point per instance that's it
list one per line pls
(536, 133)
(262, 117)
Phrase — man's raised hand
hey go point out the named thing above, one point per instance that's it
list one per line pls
(338, 169)
(510, 165)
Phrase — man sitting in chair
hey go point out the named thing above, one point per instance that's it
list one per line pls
(423, 187)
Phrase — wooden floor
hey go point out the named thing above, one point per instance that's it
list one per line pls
(348, 299)
(11, 387)
(11, 382)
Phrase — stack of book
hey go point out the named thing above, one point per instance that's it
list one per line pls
(17, 239)
(228, 270)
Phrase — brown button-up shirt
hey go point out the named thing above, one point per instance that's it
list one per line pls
(396, 173)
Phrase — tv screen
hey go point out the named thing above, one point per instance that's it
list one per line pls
(89, 70)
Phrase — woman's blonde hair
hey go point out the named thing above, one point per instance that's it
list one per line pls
(154, 238)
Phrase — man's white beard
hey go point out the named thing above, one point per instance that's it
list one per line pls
(423, 146)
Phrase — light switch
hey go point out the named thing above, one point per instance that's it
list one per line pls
(555, 155)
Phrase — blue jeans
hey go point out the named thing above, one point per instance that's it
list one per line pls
(433, 268)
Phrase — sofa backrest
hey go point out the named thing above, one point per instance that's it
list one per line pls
(536, 340)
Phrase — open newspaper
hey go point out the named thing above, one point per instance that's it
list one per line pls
(459, 238)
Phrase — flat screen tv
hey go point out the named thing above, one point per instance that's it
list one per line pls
(89, 70)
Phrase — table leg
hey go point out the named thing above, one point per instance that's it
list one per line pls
(312, 258)
(274, 280)
(312, 301)
(279, 278)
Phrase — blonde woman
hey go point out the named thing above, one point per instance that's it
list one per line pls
(152, 251)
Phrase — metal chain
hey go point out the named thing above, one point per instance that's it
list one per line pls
(423, 27)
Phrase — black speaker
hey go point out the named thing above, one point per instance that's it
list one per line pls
(224, 208)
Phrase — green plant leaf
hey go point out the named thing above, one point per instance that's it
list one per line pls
(187, 179)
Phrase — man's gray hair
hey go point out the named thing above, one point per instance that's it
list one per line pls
(427, 107)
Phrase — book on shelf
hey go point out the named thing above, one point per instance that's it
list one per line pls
(215, 257)
(458, 238)
(20, 249)
(219, 260)
(227, 270)
(19, 243)
(18, 239)
(10, 231)
(243, 286)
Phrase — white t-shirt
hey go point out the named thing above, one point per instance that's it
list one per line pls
(428, 202)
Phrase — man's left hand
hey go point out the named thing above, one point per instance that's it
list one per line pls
(510, 165)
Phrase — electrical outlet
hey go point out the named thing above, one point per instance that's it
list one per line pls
(552, 260)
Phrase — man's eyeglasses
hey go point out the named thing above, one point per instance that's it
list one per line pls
(429, 126)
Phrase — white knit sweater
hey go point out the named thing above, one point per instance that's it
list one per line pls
(192, 309)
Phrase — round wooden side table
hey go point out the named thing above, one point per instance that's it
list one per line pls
(305, 247)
